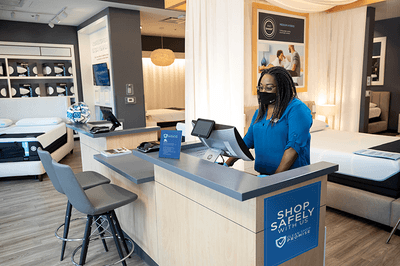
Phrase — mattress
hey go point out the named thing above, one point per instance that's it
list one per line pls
(377, 175)
(20, 143)
(166, 115)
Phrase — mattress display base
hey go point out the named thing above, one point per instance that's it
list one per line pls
(389, 187)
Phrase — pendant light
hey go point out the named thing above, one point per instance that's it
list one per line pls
(162, 57)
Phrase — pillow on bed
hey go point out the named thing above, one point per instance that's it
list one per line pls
(39, 121)
(318, 125)
(372, 105)
(5, 122)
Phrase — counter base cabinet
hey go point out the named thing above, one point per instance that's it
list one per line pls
(199, 226)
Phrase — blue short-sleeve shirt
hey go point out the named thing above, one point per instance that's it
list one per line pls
(270, 141)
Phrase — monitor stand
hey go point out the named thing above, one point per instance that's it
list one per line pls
(211, 155)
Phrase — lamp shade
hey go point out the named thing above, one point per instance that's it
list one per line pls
(326, 109)
(162, 57)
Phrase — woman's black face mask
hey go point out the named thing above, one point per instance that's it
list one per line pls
(266, 98)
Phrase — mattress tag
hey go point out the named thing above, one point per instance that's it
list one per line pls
(26, 147)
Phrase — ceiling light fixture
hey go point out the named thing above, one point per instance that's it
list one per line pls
(57, 18)
(162, 57)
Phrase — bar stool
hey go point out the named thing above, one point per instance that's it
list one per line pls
(86, 179)
(96, 201)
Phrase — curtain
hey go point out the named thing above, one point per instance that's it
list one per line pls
(164, 86)
(214, 56)
(336, 51)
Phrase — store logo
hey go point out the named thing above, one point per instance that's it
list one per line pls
(269, 28)
(280, 241)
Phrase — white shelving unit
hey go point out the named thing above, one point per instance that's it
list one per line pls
(39, 54)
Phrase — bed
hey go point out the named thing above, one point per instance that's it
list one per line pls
(365, 186)
(31, 129)
(165, 118)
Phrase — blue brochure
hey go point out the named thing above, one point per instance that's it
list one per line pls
(170, 144)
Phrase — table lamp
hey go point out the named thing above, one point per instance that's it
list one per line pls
(326, 110)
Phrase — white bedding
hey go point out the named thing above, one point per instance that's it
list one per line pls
(165, 115)
(52, 132)
(338, 146)
(374, 112)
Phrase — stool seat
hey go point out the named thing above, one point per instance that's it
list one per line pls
(89, 179)
(105, 198)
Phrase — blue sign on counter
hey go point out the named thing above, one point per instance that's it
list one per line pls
(170, 144)
(291, 223)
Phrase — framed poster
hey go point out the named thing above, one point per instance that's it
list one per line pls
(378, 61)
(279, 38)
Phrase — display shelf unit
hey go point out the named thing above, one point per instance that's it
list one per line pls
(41, 80)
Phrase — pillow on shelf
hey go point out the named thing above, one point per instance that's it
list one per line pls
(39, 121)
(372, 105)
(318, 125)
(4, 122)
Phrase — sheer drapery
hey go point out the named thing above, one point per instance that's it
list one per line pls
(214, 53)
(335, 63)
(164, 86)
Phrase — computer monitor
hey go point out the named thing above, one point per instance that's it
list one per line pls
(108, 115)
(224, 140)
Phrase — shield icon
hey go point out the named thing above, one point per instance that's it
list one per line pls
(280, 241)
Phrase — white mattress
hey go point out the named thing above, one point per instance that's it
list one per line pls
(374, 112)
(165, 115)
(338, 146)
(51, 133)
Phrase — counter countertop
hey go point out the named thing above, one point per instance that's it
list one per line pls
(231, 182)
(85, 129)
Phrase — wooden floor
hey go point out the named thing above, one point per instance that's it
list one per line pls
(30, 211)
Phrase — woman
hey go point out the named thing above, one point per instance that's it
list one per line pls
(279, 130)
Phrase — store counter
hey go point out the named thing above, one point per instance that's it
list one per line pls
(92, 144)
(193, 212)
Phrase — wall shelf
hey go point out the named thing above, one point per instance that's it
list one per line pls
(39, 55)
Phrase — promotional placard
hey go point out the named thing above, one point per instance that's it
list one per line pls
(291, 223)
(170, 144)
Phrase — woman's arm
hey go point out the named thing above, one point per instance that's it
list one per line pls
(231, 161)
(288, 158)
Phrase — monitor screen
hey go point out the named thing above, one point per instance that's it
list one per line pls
(203, 128)
(108, 115)
(101, 76)
(225, 140)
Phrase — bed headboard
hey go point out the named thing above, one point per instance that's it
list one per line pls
(18, 108)
(382, 99)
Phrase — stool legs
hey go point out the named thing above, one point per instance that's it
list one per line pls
(66, 227)
(114, 233)
(86, 240)
(394, 230)
(101, 231)
(119, 231)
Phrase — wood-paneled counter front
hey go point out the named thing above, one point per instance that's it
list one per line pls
(193, 212)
